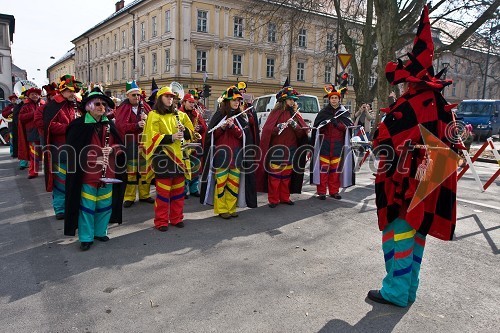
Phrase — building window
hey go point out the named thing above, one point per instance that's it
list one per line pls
(153, 26)
(238, 27)
(124, 70)
(202, 21)
(302, 38)
(132, 33)
(101, 44)
(108, 74)
(154, 63)
(107, 45)
(236, 64)
(116, 42)
(454, 89)
(201, 61)
(167, 60)
(143, 65)
(371, 81)
(95, 49)
(466, 90)
(124, 39)
(143, 31)
(270, 68)
(328, 74)
(329, 42)
(167, 21)
(271, 33)
(300, 71)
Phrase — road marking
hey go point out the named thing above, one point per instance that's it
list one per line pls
(478, 204)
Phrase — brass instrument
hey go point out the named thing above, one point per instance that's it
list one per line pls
(197, 136)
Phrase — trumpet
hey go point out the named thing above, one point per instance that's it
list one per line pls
(224, 122)
(284, 125)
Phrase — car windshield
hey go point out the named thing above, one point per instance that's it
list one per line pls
(308, 104)
(474, 109)
(261, 104)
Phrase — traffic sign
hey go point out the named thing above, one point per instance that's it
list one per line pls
(345, 59)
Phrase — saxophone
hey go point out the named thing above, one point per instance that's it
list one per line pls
(197, 136)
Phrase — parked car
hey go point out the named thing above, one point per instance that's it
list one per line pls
(308, 104)
(482, 114)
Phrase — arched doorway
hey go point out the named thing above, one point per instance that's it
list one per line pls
(2, 93)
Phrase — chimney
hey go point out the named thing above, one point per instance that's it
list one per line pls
(119, 5)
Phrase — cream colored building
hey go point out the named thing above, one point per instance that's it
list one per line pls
(63, 66)
(189, 40)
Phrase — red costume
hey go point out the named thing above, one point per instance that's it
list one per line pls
(29, 138)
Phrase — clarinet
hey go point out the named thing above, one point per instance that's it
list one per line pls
(75, 107)
(105, 165)
(179, 125)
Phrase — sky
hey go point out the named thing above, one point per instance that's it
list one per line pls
(45, 29)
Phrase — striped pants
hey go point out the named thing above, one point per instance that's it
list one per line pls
(58, 187)
(278, 183)
(328, 175)
(169, 204)
(226, 190)
(403, 249)
(35, 157)
(192, 185)
(134, 180)
(95, 211)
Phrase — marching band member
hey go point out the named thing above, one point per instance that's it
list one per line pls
(329, 136)
(130, 119)
(94, 144)
(7, 114)
(283, 133)
(225, 172)
(200, 127)
(57, 116)
(29, 138)
(23, 163)
(165, 132)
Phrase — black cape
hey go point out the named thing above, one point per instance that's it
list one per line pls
(15, 124)
(325, 114)
(250, 187)
(79, 135)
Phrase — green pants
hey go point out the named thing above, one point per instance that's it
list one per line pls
(95, 211)
(403, 249)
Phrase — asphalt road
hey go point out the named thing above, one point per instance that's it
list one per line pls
(304, 268)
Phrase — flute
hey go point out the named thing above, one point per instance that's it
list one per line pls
(284, 125)
(222, 123)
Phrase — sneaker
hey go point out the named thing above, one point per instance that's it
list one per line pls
(272, 205)
(32, 176)
(336, 196)
(225, 216)
(102, 238)
(179, 225)
(148, 200)
(84, 246)
(127, 204)
(322, 196)
(163, 228)
(196, 194)
(60, 216)
(234, 214)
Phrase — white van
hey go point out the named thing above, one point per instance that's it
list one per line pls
(308, 104)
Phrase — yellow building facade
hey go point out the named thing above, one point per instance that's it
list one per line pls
(187, 41)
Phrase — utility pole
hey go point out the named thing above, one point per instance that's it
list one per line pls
(337, 46)
(487, 61)
(290, 50)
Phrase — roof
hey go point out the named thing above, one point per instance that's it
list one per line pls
(17, 69)
(68, 55)
(124, 10)
(12, 24)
